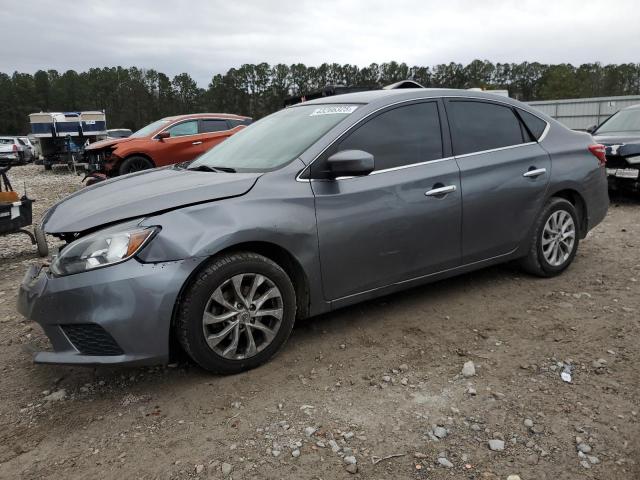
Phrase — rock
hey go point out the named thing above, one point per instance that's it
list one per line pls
(199, 469)
(419, 455)
(537, 429)
(445, 463)
(352, 468)
(468, 369)
(226, 468)
(309, 431)
(599, 363)
(593, 460)
(440, 432)
(513, 477)
(350, 460)
(496, 445)
(585, 464)
(404, 367)
(56, 396)
(386, 378)
(584, 447)
(295, 453)
(275, 453)
(533, 459)
(472, 391)
(335, 448)
(528, 422)
(347, 435)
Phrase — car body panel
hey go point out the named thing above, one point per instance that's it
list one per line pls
(352, 238)
(400, 232)
(141, 193)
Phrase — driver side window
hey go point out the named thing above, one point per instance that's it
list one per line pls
(189, 127)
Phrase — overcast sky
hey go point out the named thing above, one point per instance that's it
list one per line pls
(203, 37)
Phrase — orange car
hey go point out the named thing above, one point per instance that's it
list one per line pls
(164, 142)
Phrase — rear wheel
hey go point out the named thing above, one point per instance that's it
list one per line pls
(237, 313)
(135, 164)
(41, 241)
(555, 241)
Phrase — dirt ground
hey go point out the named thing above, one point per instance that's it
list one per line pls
(380, 379)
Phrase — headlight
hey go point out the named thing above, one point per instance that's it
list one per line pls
(101, 249)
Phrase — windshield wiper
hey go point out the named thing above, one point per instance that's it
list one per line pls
(207, 168)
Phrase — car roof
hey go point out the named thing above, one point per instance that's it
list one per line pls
(390, 96)
(229, 116)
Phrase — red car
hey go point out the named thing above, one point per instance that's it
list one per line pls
(164, 142)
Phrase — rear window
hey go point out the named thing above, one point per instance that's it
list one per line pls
(478, 126)
(6, 141)
(209, 125)
(535, 125)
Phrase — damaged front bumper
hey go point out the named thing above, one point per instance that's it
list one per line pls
(115, 315)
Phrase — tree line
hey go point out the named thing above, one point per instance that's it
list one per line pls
(133, 97)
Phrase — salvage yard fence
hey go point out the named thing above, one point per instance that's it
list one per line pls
(581, 113)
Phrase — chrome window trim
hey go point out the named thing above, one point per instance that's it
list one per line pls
(481, 152)
(431, 98)
(191, 120)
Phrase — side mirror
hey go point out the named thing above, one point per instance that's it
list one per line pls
(592, 128)
(162, 135)
(350, 163)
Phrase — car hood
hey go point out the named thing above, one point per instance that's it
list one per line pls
(142, 193)
(107, 143)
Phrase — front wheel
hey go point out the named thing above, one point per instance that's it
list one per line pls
(555, 240)
(134, 164)
(237, 313)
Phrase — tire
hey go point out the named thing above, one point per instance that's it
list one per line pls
(47, 166)
(197, 304)
(41, 241)
(540, 260)
(134, 164)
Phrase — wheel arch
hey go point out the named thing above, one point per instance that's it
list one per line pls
(577, 200)
(272, 251)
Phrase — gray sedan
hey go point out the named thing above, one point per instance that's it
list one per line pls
(316, 207)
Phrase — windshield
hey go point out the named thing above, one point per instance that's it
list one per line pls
(623, 121)
(149, 129)
(275, 140)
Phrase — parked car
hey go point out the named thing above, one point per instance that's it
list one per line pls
(620, 134)
(119, 133)
(318, 206)
(14, 151)
(164, 142)
(32, 149)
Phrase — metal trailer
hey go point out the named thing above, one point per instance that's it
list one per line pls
(582, 113)
(63, 135)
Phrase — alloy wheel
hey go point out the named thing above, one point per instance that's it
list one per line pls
(242, 316)
(558, 237)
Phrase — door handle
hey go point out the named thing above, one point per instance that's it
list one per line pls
(196, 143)
(536, 172)
(435, 192)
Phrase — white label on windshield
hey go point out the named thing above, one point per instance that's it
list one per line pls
(336, 109)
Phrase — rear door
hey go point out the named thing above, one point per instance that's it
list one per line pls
(389, 226)
(504, 176)
(212, 132)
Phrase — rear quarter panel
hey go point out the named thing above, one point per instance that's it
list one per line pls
(575, 168)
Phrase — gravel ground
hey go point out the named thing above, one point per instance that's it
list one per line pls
(459, 379)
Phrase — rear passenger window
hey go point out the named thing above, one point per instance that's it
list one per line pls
(213, 125)
(535, 125)
(399, 137)
(478, 126)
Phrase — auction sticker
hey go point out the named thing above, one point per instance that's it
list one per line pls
(333, 110)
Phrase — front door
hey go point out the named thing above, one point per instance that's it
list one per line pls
(183, 145)
(393, 224)
(504, 176)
